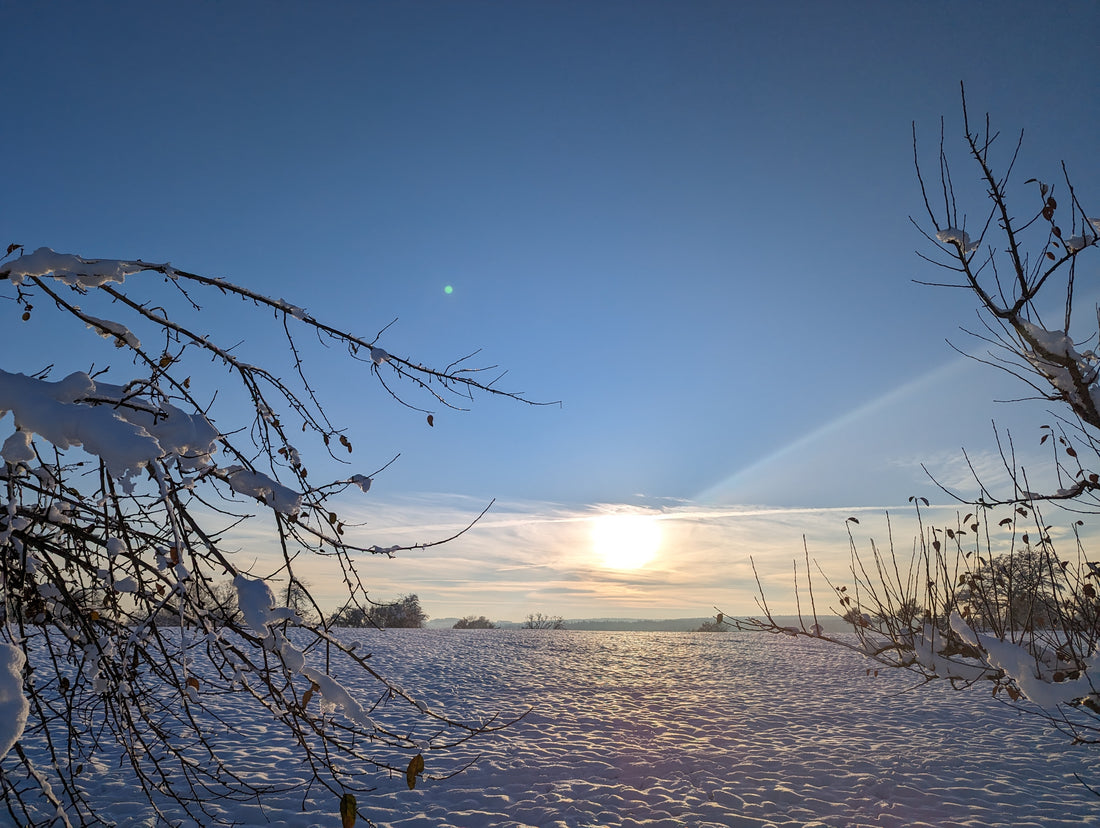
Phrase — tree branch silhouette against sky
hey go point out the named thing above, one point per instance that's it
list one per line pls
(689, 222)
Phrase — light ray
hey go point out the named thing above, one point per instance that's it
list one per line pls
(736, 487)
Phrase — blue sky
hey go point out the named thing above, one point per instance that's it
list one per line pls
(687, 221)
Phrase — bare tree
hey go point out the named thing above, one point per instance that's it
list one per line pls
(300, 600)
(538, 621)
(120, 502)
(988, 597)
(405, 612)
(225, 603)
(471, 622)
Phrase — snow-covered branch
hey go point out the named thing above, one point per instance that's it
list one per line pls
(126, 617)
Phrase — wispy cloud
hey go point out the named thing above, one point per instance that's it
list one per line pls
(525, 557)
(538, 556)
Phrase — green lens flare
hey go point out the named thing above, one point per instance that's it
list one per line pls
(448, 290)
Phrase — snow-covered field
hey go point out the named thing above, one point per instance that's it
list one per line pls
(698, 730)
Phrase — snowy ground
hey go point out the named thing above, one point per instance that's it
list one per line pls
(701, 730)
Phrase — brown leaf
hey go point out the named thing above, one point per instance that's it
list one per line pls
(415, 768)
(431, 420)
(348, 808)
(306, 696)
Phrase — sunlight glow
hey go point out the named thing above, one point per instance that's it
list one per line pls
(626, 541)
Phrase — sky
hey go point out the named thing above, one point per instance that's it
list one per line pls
(687, 222)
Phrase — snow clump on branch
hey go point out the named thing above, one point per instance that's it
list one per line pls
(952, 235)
(257, 605)
(1029, 674)
(126, 431)
(14, 706)
(74, 270)
(1060, 347)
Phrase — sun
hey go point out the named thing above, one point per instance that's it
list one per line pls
(626, 541)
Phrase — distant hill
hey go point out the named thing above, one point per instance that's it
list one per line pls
(638, 624)
(624, 624)
(830, 623)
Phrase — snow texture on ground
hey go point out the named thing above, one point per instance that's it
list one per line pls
(664, 730)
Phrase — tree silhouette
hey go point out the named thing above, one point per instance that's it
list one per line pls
(988, 597)
(121, 635)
